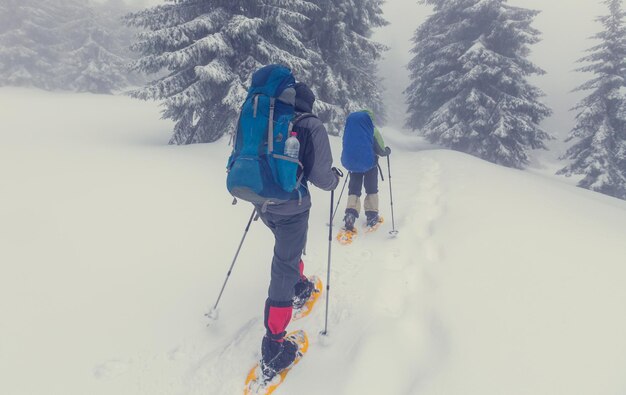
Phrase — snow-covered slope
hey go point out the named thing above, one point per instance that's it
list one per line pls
(113, 246)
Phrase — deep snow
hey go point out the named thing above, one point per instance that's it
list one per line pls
(114, 245)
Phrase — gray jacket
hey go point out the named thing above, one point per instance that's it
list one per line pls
(317, 161)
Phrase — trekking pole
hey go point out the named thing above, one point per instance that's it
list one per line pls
(393, 232)
(330, 245)
(340, 196)
(213, 314)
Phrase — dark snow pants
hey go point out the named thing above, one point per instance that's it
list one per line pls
(369, 178)
(287, 268)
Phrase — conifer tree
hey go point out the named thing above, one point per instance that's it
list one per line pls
(210, 50)
(29, 41)
(599, 153)
(63, 44)
(469, 89)
(97, 57)
(345, 76)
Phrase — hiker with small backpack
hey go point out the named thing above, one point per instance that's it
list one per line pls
(362, 146)
(280, 148)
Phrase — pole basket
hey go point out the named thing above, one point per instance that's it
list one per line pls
(214, 314)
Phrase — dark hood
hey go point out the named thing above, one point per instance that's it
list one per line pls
(305, 98)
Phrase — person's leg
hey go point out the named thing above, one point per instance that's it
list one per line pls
(353, 208)
(290, 238)
(371, 190)
(287, 266)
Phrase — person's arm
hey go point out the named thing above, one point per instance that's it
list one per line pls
(321, 174)
(379, 144)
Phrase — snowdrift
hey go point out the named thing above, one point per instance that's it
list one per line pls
(114, 245)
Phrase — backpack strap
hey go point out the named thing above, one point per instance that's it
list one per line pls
(299, 118)
(270, 128)
(255, 106)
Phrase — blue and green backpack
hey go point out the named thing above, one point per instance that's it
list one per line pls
(358, 143)
(258, 170)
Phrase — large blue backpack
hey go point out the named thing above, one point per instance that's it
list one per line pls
(258, 170)
(358, 154)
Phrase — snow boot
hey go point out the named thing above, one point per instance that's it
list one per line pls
(277, 356)
(303, 290)
(277, 352)
(349, 220)
(372, 218)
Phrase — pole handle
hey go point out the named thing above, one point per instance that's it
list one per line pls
(337, 171)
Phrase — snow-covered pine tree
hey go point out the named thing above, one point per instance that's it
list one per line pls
(97, 56)
(469, 89)
(29, 41)
(64, 44)
(210, 49)
(600, 152)
(345, 76)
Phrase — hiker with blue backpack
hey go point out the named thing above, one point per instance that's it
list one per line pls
(362, 146)
(280, 148)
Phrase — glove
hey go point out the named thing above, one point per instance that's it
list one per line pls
(387, 151)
